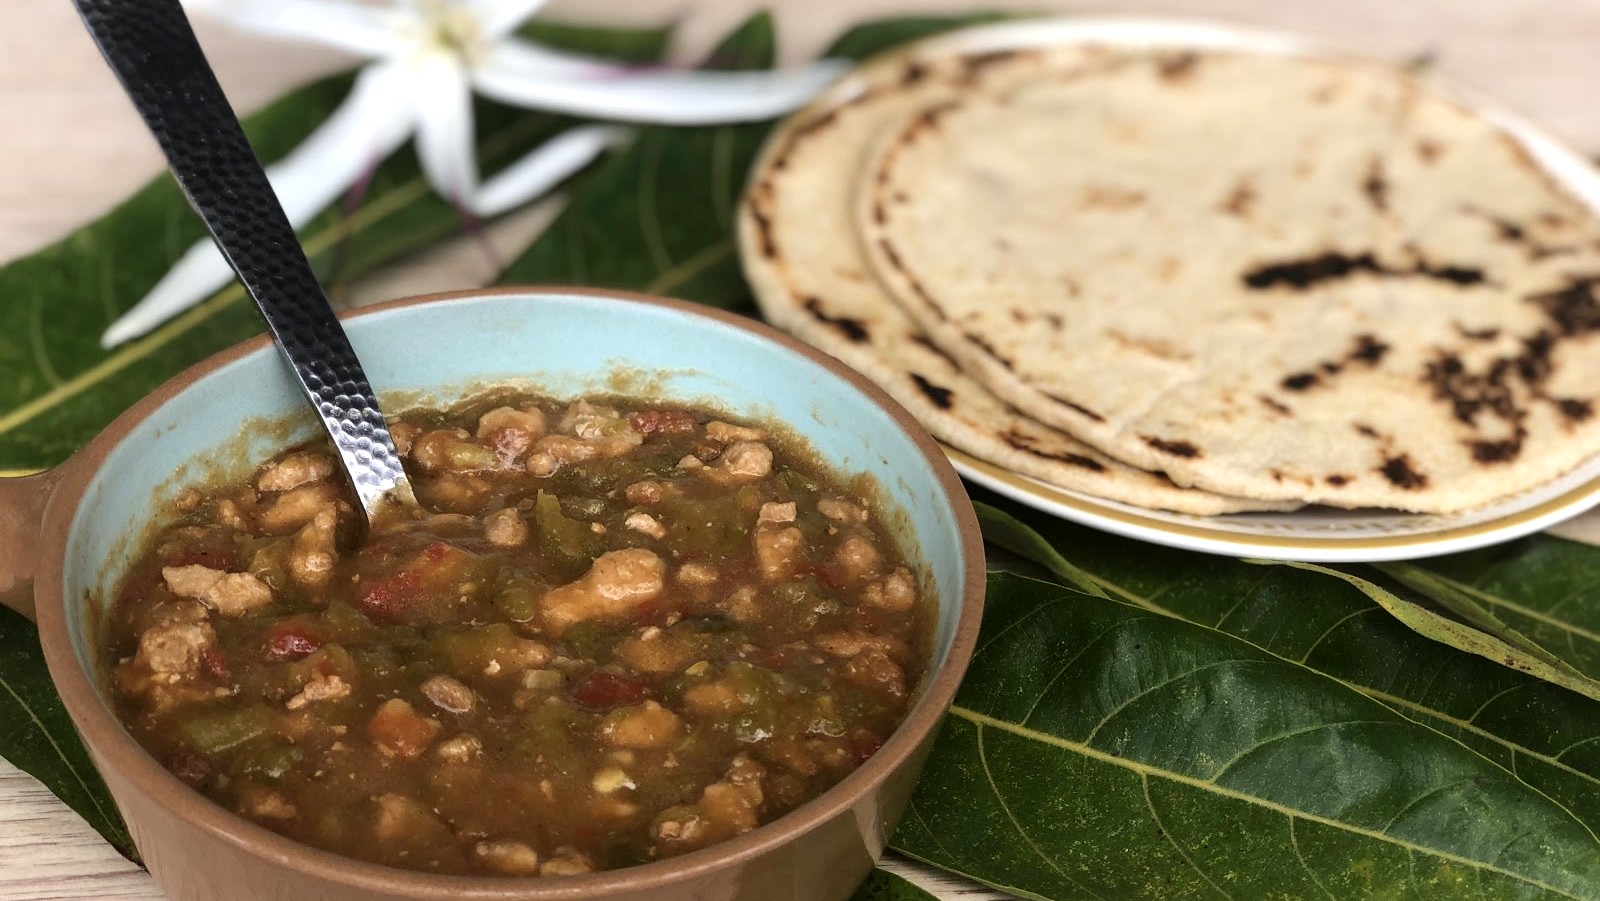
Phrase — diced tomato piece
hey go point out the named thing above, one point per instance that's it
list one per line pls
(215, 665)
(667, 422)
(291, 640)
(213, 547)
(400, 731)
(601, 691)
(864, 745)
(831, 575)
(407, 595)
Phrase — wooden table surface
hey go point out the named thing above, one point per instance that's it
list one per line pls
(72, 147)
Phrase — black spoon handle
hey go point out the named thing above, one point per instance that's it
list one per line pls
(152, 49)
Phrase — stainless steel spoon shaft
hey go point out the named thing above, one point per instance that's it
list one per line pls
(152, 49)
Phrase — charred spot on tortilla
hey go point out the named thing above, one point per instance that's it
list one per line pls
(1241, 200)
(1332, 266)
(1376, 186)
(1300, 381)
(1177, 68)
(1429, 151)
(1275, 406)
(851, 328)
(1072, 405)
(1478, 334)
(914, 74)
(1497, 451)
(1175, 448)
(769, 246)
(926, 343)
(1573, 307)
(938, 395)
(1027, 445)
(983, 344)
(1401, 474)
(1575, 409)
(1366, 431)
(1337, 479)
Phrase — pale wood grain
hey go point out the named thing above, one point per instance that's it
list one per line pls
(72, 148)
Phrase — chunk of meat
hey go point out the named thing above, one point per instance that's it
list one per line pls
(175, 649)
(645, 524)
(743, 606)
(399, 818)
(542, 464)
(505, 528)
(697, 575)
(727, 433)
(712, 700)
(403, 434)
(228, 513)
(849, 644)
(452, 450)
(780, 551)
(872, 669)
(842, 511)
(322, 687)
(313, 553)
(666, 422)
(459, 749)
(398, 730)
(294, 470)
(567, 861)
(601, 429)
(604, 691)
(510, 431)
(262, 803)
(896, 592)
(507, 857)
(449, 693)
(655, 653)
(776, 513)
(231, 594)
(291, 510)
(648, 725)
(648, 491)
(727, 808)
(741, 463)
(616, 585)
(858, 559)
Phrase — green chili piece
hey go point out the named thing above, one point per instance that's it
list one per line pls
(215, 731)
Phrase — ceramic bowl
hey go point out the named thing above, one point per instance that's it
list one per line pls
(73, 529)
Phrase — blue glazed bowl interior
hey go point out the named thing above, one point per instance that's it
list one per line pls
(565, 344)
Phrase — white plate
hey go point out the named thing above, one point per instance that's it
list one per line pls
(1321, 534)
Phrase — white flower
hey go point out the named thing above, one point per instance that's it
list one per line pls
(427, 57)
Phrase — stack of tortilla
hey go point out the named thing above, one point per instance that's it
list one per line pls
(1203, 282)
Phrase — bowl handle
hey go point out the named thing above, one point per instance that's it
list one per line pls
(22, 501)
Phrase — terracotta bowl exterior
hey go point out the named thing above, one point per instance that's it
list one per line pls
(71, 528)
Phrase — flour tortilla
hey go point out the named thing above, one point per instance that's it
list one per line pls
(1278, 278)
(802, 258)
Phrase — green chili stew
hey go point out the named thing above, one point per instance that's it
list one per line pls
(626, 631)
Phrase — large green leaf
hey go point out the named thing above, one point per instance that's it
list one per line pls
(39, 738)
(1098, 749)
(1544, 590)
(1331, 623)
(658, 217)
(61, 387)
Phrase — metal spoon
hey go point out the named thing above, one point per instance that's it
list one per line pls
(151, 47)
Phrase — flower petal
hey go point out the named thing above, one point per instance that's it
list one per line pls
(518, 73)
(441, 99)
(545, 167)
(498, 18)
(348, 26)
(368, 126)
